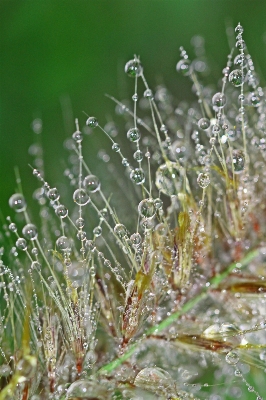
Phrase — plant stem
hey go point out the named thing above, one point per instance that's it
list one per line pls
(214, 282)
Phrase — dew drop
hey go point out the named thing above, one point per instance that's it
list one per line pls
(116, 147)
(30, 232)
(61, 211)
(80, 222)
(97, 231)
(53, 194)
(136, 239)
(133, 68)
(138, 155)
(236, 78)
(77, 136)
(203, 180)
(81, 197)
(158, 203)
(120, 230)
(17, 202)
(184, 67)
(137, 176)
(133, 134)
(91, 183)
(204, 123)
(232, 358)
(148, 94)
(219, 100)
(92, 122)
(146, 208)
(21, 244)
(63, 243)
(238, 159)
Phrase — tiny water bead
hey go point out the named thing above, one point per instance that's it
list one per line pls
(232, 358)
(21, 244)
(184, 67)
(146, 208)
(30, 232)
(148, 94)
(133, 68)
(236, 77)
(18, 202)
(97, 231)
(61, 211)
(125, 162)
(12, 227)
(53, 194)
(77, 136)
(137, 176)
(133, 134)
(158, 203)
(63, 243)
(203, 180)
(116, 147)
(80, 222)
(138, 155)
(136, 239)
(238, 160)
(81, 197)
(219, 100)
(92, 122)
(204, 123)
(91, 183)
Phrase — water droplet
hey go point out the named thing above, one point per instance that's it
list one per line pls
(61, 211)
(203, 180)
(12, 227)
(136, 239)
(204, 123)
(138, 155)
(80, 222)
(146, 208)
(77, 136)
(81, 197)
(133, 68)
(184, 67)
(21, 244)
(133, 134)
(219, 100)
(236, 78)
(137, 176)
(161, 229)
(91, 183)
(97, 231)
(263, 355)
(254, 99)
(148, 94)
(158, 203)
(168, 179)
(17, 202)
(240, 44)
(239, 29)
(116, 147)
(30, 232)
(125, 162)
(155, 380)
(240, 60)
(63, 243)
(92, 122)
(232, 358)
(53, 194)
(120, 230)
(135, 97)
(238, 159)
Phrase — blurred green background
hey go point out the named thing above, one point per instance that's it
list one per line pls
(73, 52)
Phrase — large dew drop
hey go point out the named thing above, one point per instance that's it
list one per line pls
(91, 183)
(146, 208)
(236, 77)
(84, 389)
(137, 176)
(133, 68)
(168, 179)
(81, 197)
(18, 202)
(155, 380)
(30, 232)
(203, 180)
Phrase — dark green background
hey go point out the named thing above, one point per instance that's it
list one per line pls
(54, 49)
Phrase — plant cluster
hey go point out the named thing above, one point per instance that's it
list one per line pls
(171, 303)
